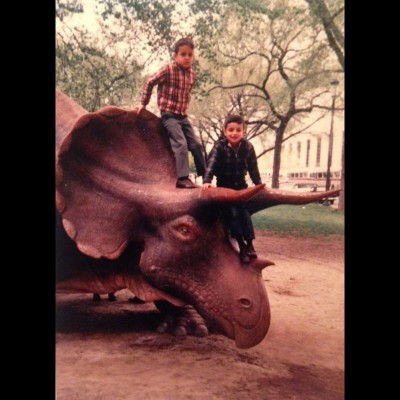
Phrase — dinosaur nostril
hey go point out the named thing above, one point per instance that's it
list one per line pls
(246, 303)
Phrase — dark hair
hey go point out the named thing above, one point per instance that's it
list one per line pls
(183, 42)
(233, 118)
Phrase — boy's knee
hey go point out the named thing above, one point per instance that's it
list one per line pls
(181, 147)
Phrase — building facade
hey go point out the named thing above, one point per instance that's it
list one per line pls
(305, 156)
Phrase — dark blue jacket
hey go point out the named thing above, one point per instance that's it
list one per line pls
(229, 167)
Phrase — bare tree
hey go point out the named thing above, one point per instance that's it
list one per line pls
(334, 31)
(271, 57)
(286, 63)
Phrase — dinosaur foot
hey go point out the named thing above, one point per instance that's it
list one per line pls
(111, 297)
(182, 321)
(96, 297)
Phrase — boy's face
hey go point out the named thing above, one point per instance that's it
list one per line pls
(184, 57)
(234, 133)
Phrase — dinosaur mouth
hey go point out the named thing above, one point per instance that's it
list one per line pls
(246, 337)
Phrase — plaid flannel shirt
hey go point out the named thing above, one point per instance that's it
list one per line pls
(173, 88)
(231, 168)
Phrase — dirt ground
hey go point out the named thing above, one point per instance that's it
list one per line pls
(110, 350)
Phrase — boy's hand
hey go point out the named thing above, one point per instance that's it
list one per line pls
(138, 109)
(205, 186)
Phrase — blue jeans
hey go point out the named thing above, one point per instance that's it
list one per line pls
(238, 219)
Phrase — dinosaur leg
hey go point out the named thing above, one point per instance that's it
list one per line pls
(96, 297)
(181, 321)
(112, 297)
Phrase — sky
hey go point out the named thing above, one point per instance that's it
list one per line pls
(87, 18)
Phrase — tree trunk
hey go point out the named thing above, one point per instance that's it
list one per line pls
(334, 35)
(342, 181)
(277, 156)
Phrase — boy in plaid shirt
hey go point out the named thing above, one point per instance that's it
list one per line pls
(230, 159)
(174, 83)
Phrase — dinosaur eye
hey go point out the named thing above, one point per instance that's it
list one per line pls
(185, 228)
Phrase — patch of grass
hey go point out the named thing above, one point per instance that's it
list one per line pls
(310, 220)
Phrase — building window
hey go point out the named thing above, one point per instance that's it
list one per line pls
(298, 150)
(308, 152)
(290, 152)
(318, 159)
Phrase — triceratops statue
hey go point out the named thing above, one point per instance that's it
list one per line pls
(121, 223)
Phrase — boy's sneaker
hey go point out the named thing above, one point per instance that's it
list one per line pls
(244, 257)
(251, 252)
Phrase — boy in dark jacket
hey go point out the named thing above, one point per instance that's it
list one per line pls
(230, 160)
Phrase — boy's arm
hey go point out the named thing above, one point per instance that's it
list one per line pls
(211, 165)
(138, 109)
(253, 166)
(147, 89)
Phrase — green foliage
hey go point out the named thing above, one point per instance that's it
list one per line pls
(161, 21)
(330, 16)
(67, 7)
(267, 60)
(311, 220)
(91, 76)
(273, 56)
(96, 68)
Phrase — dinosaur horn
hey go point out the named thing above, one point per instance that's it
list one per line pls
(274, 197)
(259, 263)
(225, 195)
